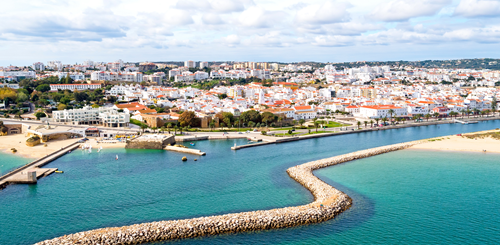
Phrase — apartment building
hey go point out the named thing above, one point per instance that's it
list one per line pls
(108, 117)
(85, 86)
(117, 76)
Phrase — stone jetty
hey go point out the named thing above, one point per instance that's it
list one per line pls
(328, 203)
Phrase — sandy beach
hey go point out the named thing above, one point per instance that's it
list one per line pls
(18, 141)
(461, 143)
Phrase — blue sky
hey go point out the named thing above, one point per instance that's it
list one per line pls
(247, 30)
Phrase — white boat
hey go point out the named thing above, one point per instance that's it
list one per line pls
(116, 157)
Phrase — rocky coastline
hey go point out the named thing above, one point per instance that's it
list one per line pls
(328, 203)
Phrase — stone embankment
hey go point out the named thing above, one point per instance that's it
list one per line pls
(328, 203)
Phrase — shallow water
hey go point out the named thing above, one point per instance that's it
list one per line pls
(148, 185)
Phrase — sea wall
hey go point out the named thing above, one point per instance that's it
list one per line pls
(328, 202)
(157, 142)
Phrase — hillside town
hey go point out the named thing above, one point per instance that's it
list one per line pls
(156, 94)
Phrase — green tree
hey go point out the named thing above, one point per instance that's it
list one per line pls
(22, 97)
(187, 118)
(39, 115)
(316, 124)
(168, 127)
(301, 122)
(268, 117)
(43, 88)
(61, 107)
(251, 116)
(359, 124)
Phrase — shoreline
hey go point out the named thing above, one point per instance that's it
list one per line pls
(278, 140)
(454, 143)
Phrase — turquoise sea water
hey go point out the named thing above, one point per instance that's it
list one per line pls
(149, 185)
(9, 161)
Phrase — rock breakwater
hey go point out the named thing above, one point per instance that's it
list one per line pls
(328, 203)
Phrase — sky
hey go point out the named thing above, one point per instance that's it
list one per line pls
(73, 31)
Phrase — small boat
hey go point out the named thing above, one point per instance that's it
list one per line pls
(191, 143)
(59, 172)
(116, 157)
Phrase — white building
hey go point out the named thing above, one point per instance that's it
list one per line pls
(38, 66)
(55, 65)
(117, 76)
(108, 117)
(190, 64)
(18, 75)
(203, 64)
(304, 112)
(85, 86)
(380, 111)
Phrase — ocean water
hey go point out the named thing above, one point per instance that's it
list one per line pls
(149, 185)
(9, 161)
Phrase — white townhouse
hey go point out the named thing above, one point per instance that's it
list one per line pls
(304, 112)
(417, 109)
(380, 111)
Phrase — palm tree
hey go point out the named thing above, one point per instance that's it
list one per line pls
(366, 123)
(359, 124)
(427, 116)
(468, 112)
(436, 115)
(175, 129)
(301, 122)
(391, 111)
(377, 119)
(371, 123)
(212, 125)
(384, 120)
(280, 119)
(463, 112)
(143, 127)
(162, 129)
(168, 127)
(316, 124)
(476, 111)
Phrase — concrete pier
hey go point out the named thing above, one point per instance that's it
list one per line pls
(185, 150)
(17, 176)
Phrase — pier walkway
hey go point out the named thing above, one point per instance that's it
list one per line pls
(19, 175)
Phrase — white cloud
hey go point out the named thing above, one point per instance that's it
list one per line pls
(258, 17)
(212, 19)
(480, 35)
(227, 6)
(402, 10)
(478, 8)
(325, 13)
(231, 40)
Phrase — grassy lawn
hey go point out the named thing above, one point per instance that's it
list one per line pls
(279, 129)
(335, 124)
(138, 123)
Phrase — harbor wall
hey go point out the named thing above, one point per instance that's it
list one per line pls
(328, 203)
(150, 143)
